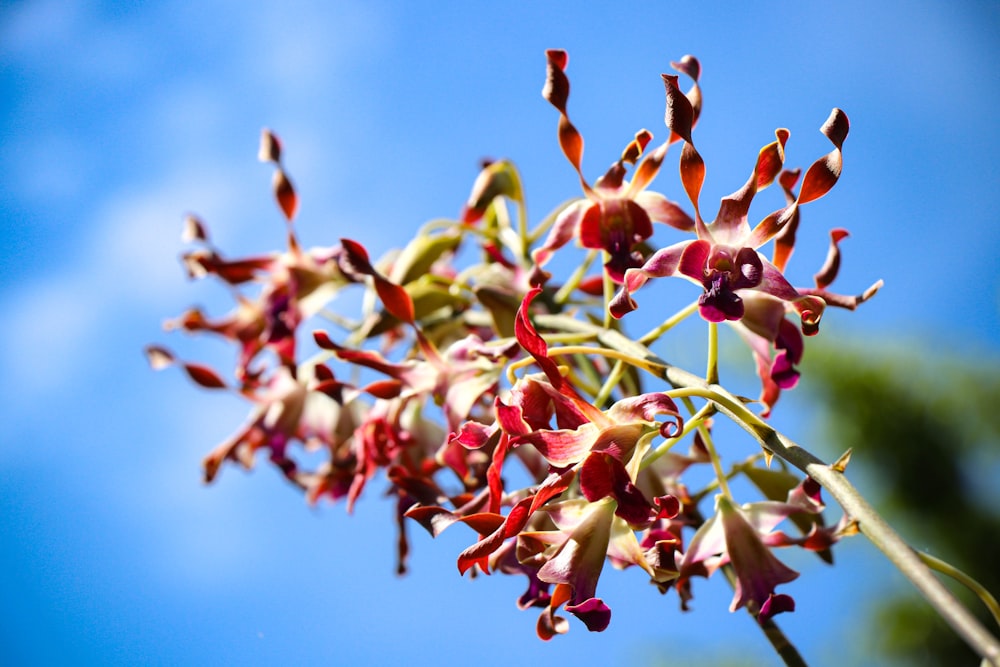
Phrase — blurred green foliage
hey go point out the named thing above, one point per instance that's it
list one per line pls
(924, 424)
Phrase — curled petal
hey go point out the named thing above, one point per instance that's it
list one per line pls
(635, 148)
(533, 343)
(284, 193)
(647, 407)
(679, 116)
(593, 612)
(556, 91)
(810, 309)
(831, 266)
(692, 176)
(823, 173)
(690, 66)
(775, 604)
(622, 303)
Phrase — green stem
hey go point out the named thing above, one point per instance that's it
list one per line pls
(712, 374)
(964, 579)
(614, 377)
(669, 324)
(522, 229)
(562, 296)
(720, 474)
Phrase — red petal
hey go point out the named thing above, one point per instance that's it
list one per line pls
(396, 299)
(204, 376)
(692, 174)
(823, 173)
(285, 194)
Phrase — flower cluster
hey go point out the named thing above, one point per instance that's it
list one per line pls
(470, 365)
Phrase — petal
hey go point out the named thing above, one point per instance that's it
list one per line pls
(828, 273)
(773, 282)
(750, 269)
(664, 262)
(284, 194)
(533, 343)
(824, 173)
(579, 561)
(593, 227)
(775, 604)
(593, 612)
(679, 116)
(660, 209)
(556, 91)
(647, 407)
(562, 448)
(758, 572)
(646, 172)
(563, 230)
(694, 259)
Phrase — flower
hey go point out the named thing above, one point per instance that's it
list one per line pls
(739, 284)
(743, 537)
(614, 215)
(723, 260)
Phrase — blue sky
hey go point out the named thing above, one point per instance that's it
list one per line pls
(118, 119)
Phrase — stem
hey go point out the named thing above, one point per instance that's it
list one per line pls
(779, 642)
(720, 474)
(964, 579)
(869, 522)
(669, 323)
(712, 374)
(564, 293)
(614, 377)
(522, 227)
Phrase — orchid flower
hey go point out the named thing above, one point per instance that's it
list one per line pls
(743, 537)
(614, 215)
(724, 259)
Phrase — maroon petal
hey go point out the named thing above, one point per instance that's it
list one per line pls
(757, 570)
(831, 266)
(603, 475)
(694, 260)
(556, 91)
(824, 173)
(775, 604)
(593, 612)
(679, 115)
(533, 343)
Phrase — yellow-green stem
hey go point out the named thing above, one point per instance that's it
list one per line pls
(964, 579)
(669, 324)
(562, 296)
(614, 377)
(712, 373)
